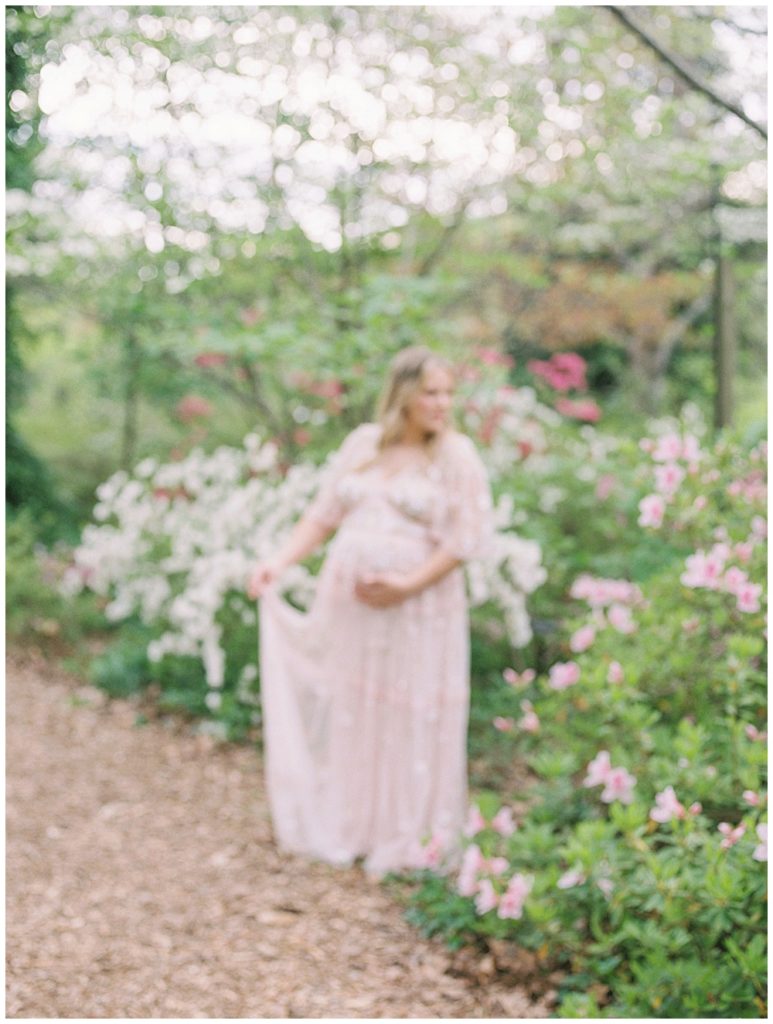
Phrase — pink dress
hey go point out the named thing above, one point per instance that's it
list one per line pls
(365, 709)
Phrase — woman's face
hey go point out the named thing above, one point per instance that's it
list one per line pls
(429, 407)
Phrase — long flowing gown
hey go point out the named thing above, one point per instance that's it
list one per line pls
(365, 709)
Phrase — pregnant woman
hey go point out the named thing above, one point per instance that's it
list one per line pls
(366, 695)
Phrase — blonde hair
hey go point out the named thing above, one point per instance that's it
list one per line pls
(406, 373)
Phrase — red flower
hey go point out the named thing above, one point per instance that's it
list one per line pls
(193, 407)
(207, 359)
(492, 357)
(583, 410)
(563, 371)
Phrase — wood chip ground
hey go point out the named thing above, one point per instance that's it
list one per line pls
(143, 881)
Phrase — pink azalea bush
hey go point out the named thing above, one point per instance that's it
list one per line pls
(646, 813)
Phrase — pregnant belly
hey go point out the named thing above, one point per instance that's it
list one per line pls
(355, 551)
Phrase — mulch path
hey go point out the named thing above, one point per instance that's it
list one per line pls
(143, 881)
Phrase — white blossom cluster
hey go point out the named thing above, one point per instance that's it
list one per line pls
(174, 543)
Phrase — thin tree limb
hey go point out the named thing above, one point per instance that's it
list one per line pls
(683, 69)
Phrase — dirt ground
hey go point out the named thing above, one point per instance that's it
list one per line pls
(142, 881)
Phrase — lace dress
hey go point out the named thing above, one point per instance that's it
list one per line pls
(365, 709)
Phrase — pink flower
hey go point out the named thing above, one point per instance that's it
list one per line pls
(743, 551)
(432, 853)
(747, 597)
(530, 722)
(511, 904)
(754, 734)
(208, 359)
(492, 357)
(695, 808)
(615, 673)
(606, 885)
(752, 798)
(605, 486)
(598, 591)
(571, 878)
(619, 616)
(667, 448)
(759, 527)
(598, 769)
(703, 570)
(514, 679)
(732, 835)
(193, 407)
(496, 865)
(690, 625)
(486, 898)
(733, 579)
(586, 410)
(651, 509)
(503, 822)
(668, 806)
(503, 724)
(582, 638)
(618, 786)
(761, 851)
(691, 449)
(563, 674)
(668, 477)
(700, 502)
(475, 822)
(563, 371)
(472, 862)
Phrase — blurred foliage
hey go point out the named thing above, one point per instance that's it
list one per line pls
(529, 180)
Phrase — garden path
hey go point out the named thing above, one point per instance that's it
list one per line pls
(143, 882)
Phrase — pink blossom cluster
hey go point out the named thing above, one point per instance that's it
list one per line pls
(618, 783)
(508, 904)
(502, 822)
(597, 591)
(563, 674)
(667, 806)
(206, 360)
(519, 679)
(193, 407)
(752, 488)
(493, 357)
(732, 835)
(530, 721)
(570, 878)
(616, 596)
(581, 409)
(755, 734)
(670, 447)
(669, 475)
(709, 570)
(564, 371)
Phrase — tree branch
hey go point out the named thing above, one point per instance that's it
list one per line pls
(683, 69)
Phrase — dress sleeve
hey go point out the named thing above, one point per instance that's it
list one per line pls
(468, 530)
(327, 506)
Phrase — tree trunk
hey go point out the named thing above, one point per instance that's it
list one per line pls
(724, 343)
(131, 402)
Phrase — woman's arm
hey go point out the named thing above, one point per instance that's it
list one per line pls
(385, 588)
(305, 537)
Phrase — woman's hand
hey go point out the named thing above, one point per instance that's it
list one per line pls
(261, 577)
(382, 589)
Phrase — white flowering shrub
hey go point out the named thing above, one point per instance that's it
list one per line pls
(173, 544)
